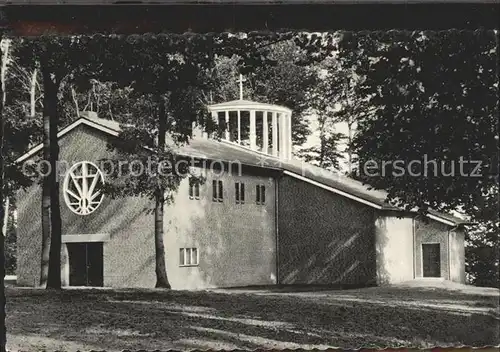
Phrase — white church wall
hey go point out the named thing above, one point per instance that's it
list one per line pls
(457, 255)
(432, 232)
(394, 248)
(235, 243)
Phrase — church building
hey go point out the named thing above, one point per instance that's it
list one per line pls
(260, 218)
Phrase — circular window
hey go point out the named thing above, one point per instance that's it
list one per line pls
(81, 192)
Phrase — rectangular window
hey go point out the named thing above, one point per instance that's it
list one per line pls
(221, 193)
(182, 258)
(217, 191)
(260, 194)
(239, 192)
(194, 189)
(188, 257)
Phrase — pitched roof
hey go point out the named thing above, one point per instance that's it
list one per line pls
(229, 152)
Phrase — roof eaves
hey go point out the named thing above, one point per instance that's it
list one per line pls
(447, 219)
(67, 129)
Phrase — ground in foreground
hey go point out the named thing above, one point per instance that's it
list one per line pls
(114, 320)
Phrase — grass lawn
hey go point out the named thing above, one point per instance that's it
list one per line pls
(114, 320)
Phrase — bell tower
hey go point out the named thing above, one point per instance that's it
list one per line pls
(261, 127)
(265, 128)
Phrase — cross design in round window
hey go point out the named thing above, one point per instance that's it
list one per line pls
(81, 192)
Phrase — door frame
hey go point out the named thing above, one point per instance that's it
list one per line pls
(87, 262)
(92, 237)
(440, 277)
(78, 238)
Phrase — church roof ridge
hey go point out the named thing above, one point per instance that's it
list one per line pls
(230, 152)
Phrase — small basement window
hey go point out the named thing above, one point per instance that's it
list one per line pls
(188, 257)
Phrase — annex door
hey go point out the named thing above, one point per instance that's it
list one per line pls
(85, 264)
(431, 259)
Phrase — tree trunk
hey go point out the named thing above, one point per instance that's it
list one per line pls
(349, 151)
(3, 331)
(5, 59)
(161, 268)
(6, 211)
(51, 147)
(75, 100)
(44, 270)
(46, 226)
(33, 93)
(322, 122)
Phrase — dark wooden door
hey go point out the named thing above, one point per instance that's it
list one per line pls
(77, 264)
(85, 264)
(94, 264)
(431, 257)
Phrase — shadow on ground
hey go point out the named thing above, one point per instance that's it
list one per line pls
(235, 319)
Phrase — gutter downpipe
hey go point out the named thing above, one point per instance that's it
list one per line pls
(413, 249)
(276, 217)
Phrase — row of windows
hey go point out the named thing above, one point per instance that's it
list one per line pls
(218, 192)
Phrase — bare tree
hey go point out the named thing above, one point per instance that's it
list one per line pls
(3, 332)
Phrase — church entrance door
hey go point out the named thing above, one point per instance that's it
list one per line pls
(85, 264)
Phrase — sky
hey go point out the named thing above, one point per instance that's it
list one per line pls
(313, 139)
